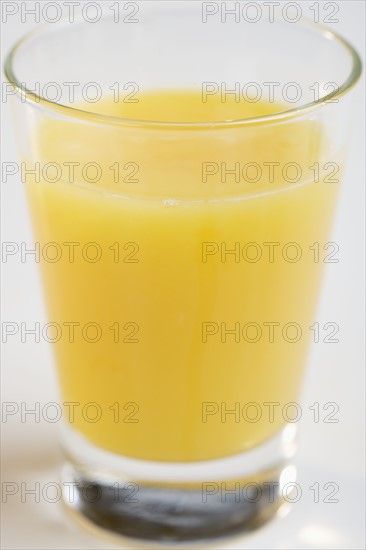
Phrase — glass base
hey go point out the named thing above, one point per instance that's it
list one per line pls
(178, 501)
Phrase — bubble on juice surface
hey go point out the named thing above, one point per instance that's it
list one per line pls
(170, 202)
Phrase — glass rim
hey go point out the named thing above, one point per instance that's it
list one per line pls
(77, 113)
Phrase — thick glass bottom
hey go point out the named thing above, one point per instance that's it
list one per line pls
(178, 501)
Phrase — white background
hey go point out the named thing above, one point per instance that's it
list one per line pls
(328, 453)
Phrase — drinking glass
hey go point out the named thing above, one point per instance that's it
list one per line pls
(182, 167)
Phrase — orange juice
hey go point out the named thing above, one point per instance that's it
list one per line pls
(186, 265)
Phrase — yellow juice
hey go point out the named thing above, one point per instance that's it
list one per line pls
(169, 255)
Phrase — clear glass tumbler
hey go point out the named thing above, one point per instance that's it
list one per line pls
(182, 166)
